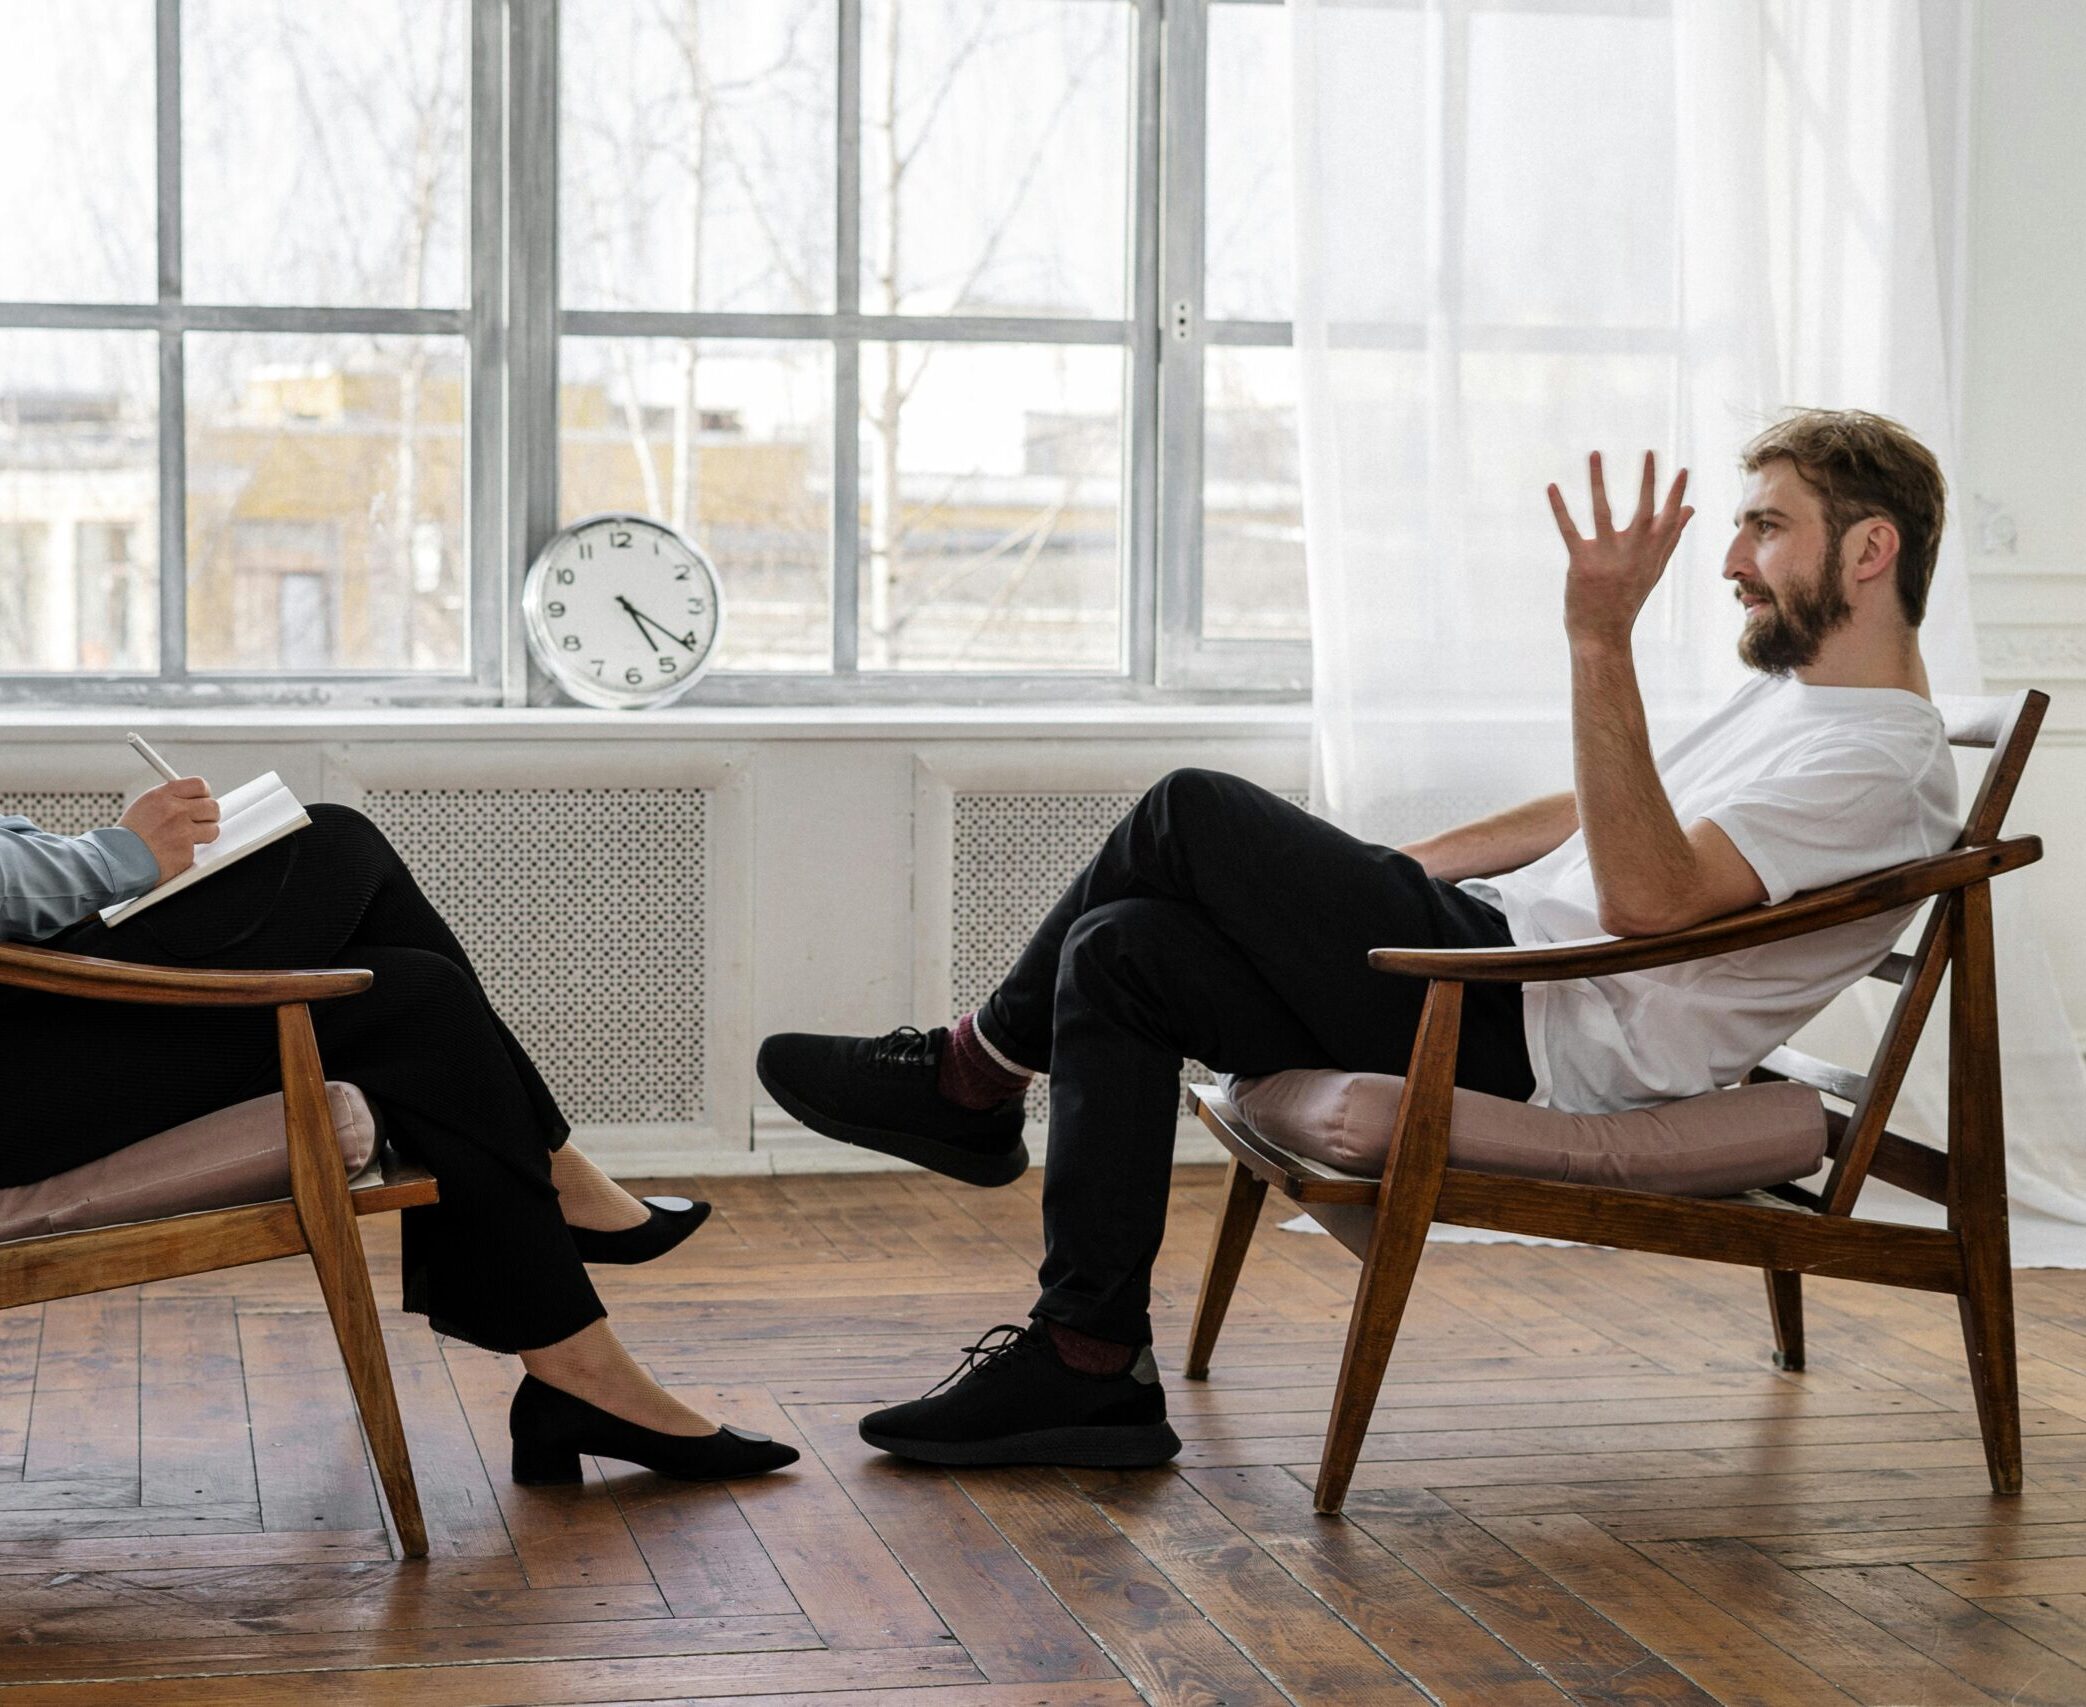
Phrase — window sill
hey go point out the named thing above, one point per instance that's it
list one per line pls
(1289, 720)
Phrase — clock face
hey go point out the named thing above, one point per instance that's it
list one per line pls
(624, 612)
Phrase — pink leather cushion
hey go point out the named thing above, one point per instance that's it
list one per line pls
(234, 1156)
(1706, 1146)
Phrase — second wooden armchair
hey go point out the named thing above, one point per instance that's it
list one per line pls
(1787, 1234)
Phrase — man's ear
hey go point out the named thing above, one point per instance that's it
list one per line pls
(1870, 548)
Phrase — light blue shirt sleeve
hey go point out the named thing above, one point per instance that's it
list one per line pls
(49, 881)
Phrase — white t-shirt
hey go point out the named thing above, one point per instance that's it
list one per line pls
(1813, 785)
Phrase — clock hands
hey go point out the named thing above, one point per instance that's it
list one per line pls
(641, 619)
(635, 617)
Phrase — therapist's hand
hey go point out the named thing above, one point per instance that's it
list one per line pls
(173, 819)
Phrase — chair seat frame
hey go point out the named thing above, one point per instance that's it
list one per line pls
(1787, 1234)
(318, 1217)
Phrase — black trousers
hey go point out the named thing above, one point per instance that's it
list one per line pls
(1222, 923)
(492, 1262)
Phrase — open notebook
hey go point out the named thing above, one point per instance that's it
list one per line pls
(254, 814)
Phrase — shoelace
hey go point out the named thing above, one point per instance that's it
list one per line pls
(908, 1046)
(983, 1353)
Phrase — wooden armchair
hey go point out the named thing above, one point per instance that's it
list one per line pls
(1788, 1232)
(318, 1216)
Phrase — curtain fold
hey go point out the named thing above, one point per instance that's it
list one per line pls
(1525, 234)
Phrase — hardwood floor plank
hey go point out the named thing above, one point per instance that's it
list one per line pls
(27, 1527)
(2053, 1574)
(845, 1579)
(1013, 1627)
(2029, 1540)
(1304, 1648)
(1155, 1634)
(21, 1333)
(1553, 1629)
(948, 1695)
(152, 1606)
(83, 1417)
(255, 1652)
(307, 1443)
(138, 1553)
(456, 1492)
(1736, 1665)
(1458, 1661)
(1870, 1663)
(195, 1442)
(1459, 1478)
(700, 1549)
(1651, 1494)
(525, 1683)
(2058, 1621)
(1957, 1633)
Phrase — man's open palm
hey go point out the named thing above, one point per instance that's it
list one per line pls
(1608, 577)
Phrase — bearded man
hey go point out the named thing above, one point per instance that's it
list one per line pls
(1220, 922)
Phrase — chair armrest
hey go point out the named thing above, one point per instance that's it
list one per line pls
(57, 973)
(1820, 909)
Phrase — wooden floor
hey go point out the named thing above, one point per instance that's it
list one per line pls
(1586, 1484)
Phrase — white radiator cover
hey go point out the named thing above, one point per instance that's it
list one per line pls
(64, 812)
(584, 911)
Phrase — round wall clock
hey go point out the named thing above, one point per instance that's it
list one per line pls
(622, 612)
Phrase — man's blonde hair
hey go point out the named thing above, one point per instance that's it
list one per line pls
(1864, 465)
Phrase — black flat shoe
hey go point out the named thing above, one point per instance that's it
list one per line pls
(551, 1428)
(672, 1220)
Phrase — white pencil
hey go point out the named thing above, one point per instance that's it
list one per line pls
(146, 753)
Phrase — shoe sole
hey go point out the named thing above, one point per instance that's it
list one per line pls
(1120, 1448)
(971, 1166)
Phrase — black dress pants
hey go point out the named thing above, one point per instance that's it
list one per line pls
(492, 1262)
(1218, 922)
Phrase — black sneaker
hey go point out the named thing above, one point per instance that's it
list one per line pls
(880, 1093)
(1018, 1402)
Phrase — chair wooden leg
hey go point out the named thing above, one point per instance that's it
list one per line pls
(1785, 1304)
(1977, 1186)
(1412, 1176)
(1372, 1332)
(320, 1190)
(1244, 1192)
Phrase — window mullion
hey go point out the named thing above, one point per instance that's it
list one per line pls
(531, 257)
(485, 529)
(1180, 340)
(1140, 605)
(173, 394)
(846, 595)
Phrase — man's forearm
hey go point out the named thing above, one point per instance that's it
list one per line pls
(1641, 858)
(1505, 841)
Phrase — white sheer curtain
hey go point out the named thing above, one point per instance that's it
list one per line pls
(1526, 231)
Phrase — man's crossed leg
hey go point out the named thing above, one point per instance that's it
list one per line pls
(1219, 922)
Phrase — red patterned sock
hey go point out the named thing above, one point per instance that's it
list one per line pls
(1089, 1353)
(968, 1075)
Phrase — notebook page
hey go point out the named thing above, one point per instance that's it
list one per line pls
(249, 812)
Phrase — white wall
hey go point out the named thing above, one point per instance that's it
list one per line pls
(2023, 469)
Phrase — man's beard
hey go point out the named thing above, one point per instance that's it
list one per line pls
(1788, 633)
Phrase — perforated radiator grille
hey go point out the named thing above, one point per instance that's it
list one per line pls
(1014, 854)
(65, 812)
(583, 910)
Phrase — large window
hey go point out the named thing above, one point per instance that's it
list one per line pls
(955, 332)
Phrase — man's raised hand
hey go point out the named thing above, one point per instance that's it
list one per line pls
(172, 819)
(1609, 576)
